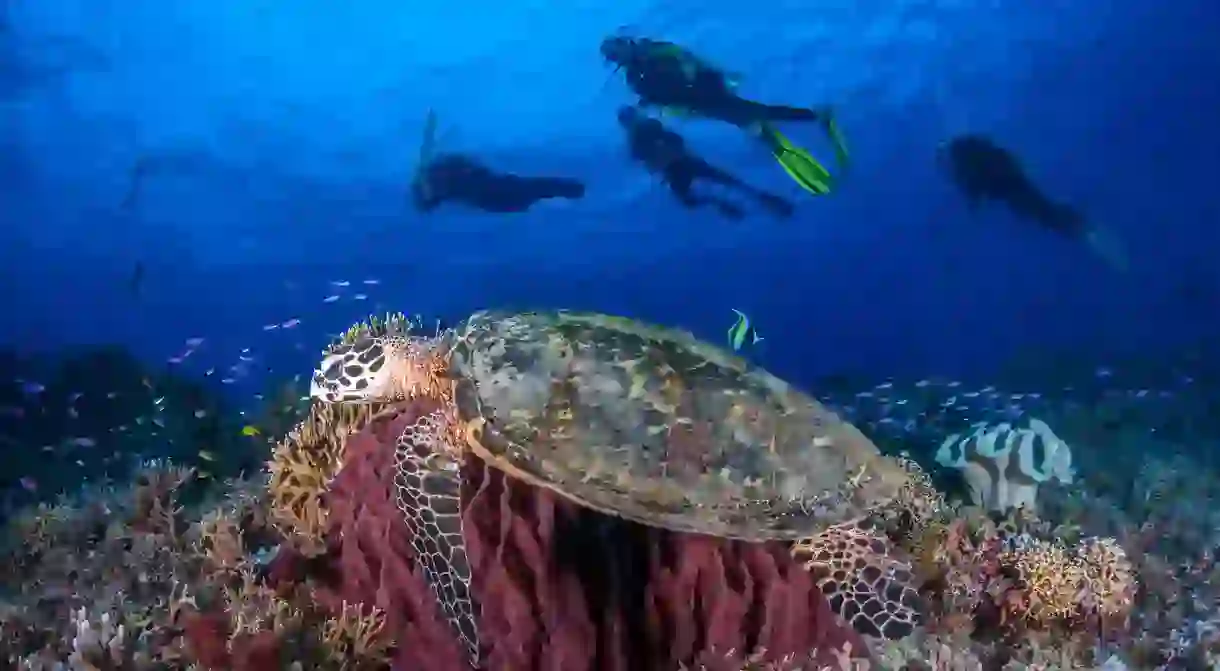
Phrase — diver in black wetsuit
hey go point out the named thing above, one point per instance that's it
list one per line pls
(666, 75)
(461, 178)
(984, 171)
(664, 152)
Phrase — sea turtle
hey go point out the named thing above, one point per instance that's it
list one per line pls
(635, 420)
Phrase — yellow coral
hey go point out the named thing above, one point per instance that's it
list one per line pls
(392, 322)
(219, 538)
(303, 464)
(357, 639)
(1051, 577)
(1065, 586)
(253, 608)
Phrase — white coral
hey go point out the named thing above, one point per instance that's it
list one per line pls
(1004, 464)
(96, 643)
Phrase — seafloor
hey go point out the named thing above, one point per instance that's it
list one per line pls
(307, 565)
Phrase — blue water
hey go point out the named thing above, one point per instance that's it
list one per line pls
(283, 135)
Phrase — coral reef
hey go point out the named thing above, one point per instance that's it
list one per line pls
(128, 578)
(311, 568)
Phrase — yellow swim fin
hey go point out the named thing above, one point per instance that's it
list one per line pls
(800, 165)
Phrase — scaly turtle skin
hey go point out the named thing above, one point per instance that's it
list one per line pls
(639, 421)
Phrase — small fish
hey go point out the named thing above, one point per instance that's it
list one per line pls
(174, 360)
(245, 350)
(111, 395)
(291, 323)
(250, 431)
(194, 342)
(341, 283)
(360, 297)
(136, 281)
(82, 441)
(29, 484)
(371, 282)
(270, 327)
(741, 331)
(331, 299)
(159, 400)
(228, 380)
(31, 388)
(206, 455)
(210, 372)
(200, 414)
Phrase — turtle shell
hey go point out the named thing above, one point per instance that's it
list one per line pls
(656, 426)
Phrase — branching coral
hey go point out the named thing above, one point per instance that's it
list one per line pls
(357, 638)
(302, 466)
(1068, 587)
(837, 659)
(254, 608)
(122, 554)
(156, 492)
(219, 538)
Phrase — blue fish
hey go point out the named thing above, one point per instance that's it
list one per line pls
(741, 331)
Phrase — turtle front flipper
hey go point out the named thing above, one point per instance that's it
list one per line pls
(865, 584)
(429, 494)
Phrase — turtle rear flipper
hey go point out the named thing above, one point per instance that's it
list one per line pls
(428, 481)
(865, 584)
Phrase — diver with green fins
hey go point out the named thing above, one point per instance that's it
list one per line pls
(664, 153)
(674, 79)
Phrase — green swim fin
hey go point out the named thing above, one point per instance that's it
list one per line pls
(800, 165)
(839, 142)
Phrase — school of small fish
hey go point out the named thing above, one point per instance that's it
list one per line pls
(197, 355)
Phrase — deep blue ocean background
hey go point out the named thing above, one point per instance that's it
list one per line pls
(282, 136)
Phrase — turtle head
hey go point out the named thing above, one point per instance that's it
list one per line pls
(362, 371)
(377, 370)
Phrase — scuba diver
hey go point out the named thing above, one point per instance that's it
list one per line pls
(664, 153)
(983, 170)
(665, 75)
(442, 177)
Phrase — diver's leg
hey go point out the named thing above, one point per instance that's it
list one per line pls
(704, 170)
(554, 187)
(742, 112)
(428, 483)
(513, 193)
(681, 177)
